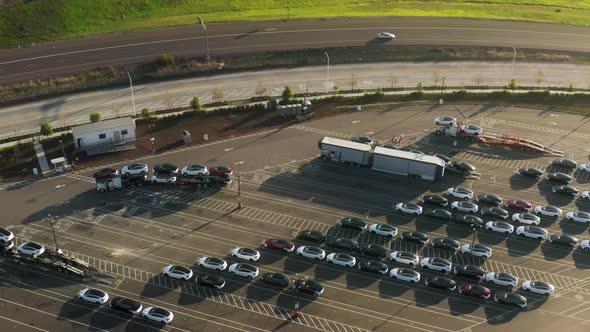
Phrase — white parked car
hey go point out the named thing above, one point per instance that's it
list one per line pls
(586, 194)
(404, 257)
(194, 170)
(385, 35)
(500, 227)
(585, 167)
(464, 206)
(539, 287)
(405, 274)
(436, 263)
(212, 263)
(409, 208)
(163, 179)
(177, 272)
(383, 229)
(30, 248)
(311, 252)
(585, 245)
(578, 216)
(246, 254)
(526, 218)
(548, 210)
(445, 120)
(341, 259)
(478, 250)
(135, 169)
(243, 270)
(472, 129)
(158, 315)
(460, 192)
(5, 235)
(502, 279)
(93, 295)
(533, 232)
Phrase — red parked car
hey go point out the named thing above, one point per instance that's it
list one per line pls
(280, 244)
(518, 205)
(221, 171)
(105, 173)
(475, 290)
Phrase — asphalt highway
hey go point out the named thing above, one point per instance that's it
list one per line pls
(59, 57)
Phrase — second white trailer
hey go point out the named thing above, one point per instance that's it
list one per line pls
(344, 151)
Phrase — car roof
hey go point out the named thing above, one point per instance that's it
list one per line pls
(180, 268)
(160, 311)
(95, 291)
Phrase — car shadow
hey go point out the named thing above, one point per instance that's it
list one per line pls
(553, 252)
(429, 225)
(360, 279)
(518, 182)
(491, 238)
(298, 264)
(497, 316)
(459, 306)
(76, 308)
(572, 227)
(262, 291)
(330, 271)
(391, 287)
(429, 298)
(520, 246)
(157, 286)
(288, 298)
(534, 301)
(546, 221)
(270, 256)
(581, 258)
(457, 231)
(104, 319)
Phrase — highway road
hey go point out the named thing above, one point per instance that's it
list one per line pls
(60, 57)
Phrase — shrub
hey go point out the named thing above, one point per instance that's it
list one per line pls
(287, 95)
(166, 60)
(46, 129)
(95, 117)
(512, 85)
(196, 104)
(419, 87)
(146, 113)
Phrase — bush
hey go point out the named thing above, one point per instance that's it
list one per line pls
(196, 104)
(95, 117)
(419, 87)
(166, 60)
(287, 95)
(512, 85)
(146, 113)
(46, 129)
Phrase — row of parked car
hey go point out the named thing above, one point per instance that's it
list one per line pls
(164, 173)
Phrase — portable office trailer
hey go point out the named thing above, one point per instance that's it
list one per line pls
(344, 151)
(105, 136)
(408, 163)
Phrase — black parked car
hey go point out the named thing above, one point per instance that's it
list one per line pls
(211, 281)
(354, 223)
(343, 243)
(563, 240)
(443, 157)
(127, 306)
(490, 199)
(373, 250)
(441, 214)
(415, 237)
(440, 283)
(565, 190)
(373, 266)
(565, 163)
(469, 272)
(277, 279)
(435, 200)
(469, 220)
(511, 299)
(446, 243)
(164, 169)
(558, 177)
(312, 235)
(530, 172)
(461, 166)
(308, 286)
(495, 212)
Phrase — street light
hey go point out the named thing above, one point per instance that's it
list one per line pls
(153, 140)
(202, 22)
(132, 96)
(63, 151)
(53, 231)
(240, 205)
(327, 70)
(513, 59)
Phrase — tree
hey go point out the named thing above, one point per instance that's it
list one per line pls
(196, 104)
(353, 82)
(571, 88)
(217, 95)
(419, 87)
(260, 89)
(393, 81)
(436, 78)
(539, 77)
(95, 117)
(146, 113)
(478, 80)
(287, 95)
(46, 129)
(512, 85)
(166, 60)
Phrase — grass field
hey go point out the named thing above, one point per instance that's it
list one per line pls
(41, 20)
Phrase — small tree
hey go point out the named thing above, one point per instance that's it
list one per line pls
(217, 95)
(353, 82)
(478, 80)
(196, 104)
(419, 87)
(95, 117)
(46, 129)
(393, 81)
(571, 88)
(166, 60)
(146, 113)
(287, 95)
(260, 89)
(539, 77)
(436, 78)
(512, 85)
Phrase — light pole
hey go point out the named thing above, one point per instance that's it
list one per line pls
(63, 152)
(473, 240)
(53, 231)
(513, 59)
(240, 205)
(207, 57)
(132, 96)
(327, 70)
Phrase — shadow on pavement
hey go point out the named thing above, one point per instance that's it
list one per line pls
(554, 252)
(572, 227)
(496, 317)
(430, 297)
(393, 288)
(330, 272)
(262, 291)
(581, 258)
(491, 238)
(104, 319)
(360, 279)
(521, 246)
(462, 306)
(298, 264)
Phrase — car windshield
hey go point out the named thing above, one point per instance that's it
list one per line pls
(180, 269)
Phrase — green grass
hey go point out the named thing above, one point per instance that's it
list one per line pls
(41, 20)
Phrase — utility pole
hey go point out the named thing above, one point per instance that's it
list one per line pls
(132, 96)
(513, 59)
(207, 57)
(63, 151)
(53, 231)
(327, 70)
(240, 205)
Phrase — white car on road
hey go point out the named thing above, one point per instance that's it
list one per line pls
(341, 259)
(460, 192)
(586, 194)
(163, 179)
(478, 250)
(311, 252)
(578, 216)
(30, 248)
(405, 274)
(93, 295)
(445, 120)
(585, 245)
(383, 229)
(385, 35)
(404, 257)
(246, 253)
(177, 272)
(539, 287)
(502, 279)
(212, 263)
(5, 235)
(500, 227)
(464, 206)
(584, 167)
(409, 208)
(158, 315)
(134, 169)
(526, 218)
(194, 170)
(243, 270)
(472, 129)
(548, 210)
(533, 232)
(436, 263)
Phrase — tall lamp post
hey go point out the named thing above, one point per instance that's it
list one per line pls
(513, 59)
(63, 151)
(132, 95)
(202, 22)
(327, 70)
(53, 231)
(240, 205)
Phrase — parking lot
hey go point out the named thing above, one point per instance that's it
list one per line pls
(131, 234)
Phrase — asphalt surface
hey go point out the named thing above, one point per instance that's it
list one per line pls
(22, 63)
(131, 234)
